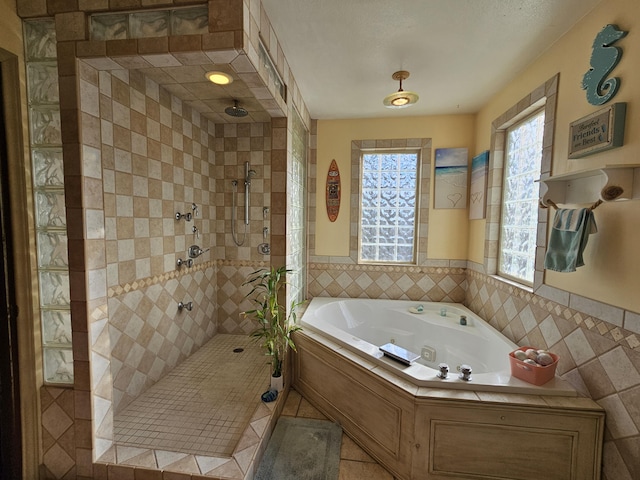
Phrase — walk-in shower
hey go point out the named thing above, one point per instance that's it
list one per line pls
(248, 173)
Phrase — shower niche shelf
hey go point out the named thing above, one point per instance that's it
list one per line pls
(587, 186)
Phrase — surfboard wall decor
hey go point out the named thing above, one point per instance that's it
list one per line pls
(333, 191)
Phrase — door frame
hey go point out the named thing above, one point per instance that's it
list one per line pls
(22, 230)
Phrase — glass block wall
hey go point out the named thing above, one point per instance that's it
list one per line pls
(157, 23)
(296, 208)
(48, 185)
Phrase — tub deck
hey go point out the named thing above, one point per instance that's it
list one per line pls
(425, 433)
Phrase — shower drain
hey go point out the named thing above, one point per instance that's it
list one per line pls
(238, 350)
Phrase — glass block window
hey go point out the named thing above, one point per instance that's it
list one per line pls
(388, 206)
(518, 226)
(149, 24)
(49, 201)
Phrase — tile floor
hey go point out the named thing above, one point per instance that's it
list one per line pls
(198, 409)
(175, 417)
(355, 463)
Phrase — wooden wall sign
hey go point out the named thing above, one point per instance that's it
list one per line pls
(604, 58)
(599, 131)
(333, 191)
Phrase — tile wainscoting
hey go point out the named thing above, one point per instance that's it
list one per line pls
(598, 344)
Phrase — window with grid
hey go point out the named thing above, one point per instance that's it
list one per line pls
(518, 225)
(388, 206)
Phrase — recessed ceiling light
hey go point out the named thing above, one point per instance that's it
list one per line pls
(219, 78)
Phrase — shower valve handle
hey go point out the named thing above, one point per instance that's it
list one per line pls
(195, 251)
(187, 305)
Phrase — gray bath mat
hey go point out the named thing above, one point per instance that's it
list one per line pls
(302, 449)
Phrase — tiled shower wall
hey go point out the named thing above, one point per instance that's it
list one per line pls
(154, 159)
(236, 144)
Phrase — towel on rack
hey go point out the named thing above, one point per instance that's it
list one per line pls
(569, 234)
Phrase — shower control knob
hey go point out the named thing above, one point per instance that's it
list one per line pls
(188, 262)
(187, 305)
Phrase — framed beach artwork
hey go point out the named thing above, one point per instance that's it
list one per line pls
(478, 189)
(450, 184)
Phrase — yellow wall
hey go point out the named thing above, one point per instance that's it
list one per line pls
(10, 28)
(612, 260)
(448, 235)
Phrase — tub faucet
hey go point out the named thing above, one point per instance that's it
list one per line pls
(463, 320)
(465, 373)
(443, 371)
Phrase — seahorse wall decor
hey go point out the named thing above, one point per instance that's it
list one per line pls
(604, 58)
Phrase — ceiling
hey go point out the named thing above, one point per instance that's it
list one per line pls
(188, 83)
(459, 52)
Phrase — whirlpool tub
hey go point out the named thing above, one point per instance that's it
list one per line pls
(422, 427)
(431, 331)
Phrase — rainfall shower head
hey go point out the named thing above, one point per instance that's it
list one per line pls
(236, 111)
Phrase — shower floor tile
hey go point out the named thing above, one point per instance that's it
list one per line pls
(204, 405)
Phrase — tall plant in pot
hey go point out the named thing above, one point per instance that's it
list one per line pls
(275, 325)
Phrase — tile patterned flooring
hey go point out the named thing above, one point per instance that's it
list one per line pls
(177, 414)
(201, 407)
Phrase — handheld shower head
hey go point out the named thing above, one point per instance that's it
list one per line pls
(248, 173)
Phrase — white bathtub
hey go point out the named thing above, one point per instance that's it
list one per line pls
(363, 325)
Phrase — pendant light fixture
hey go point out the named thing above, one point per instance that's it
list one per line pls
(401, 98)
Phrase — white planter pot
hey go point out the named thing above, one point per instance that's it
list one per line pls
(277, 383)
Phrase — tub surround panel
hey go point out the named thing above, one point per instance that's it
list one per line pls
(503, 441)
(384, 428)
(425, 419)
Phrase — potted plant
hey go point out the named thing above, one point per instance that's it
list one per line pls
(275, 325)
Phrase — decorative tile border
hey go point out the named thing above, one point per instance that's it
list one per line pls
(578, 317)
(435, 284)
(145, 282)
